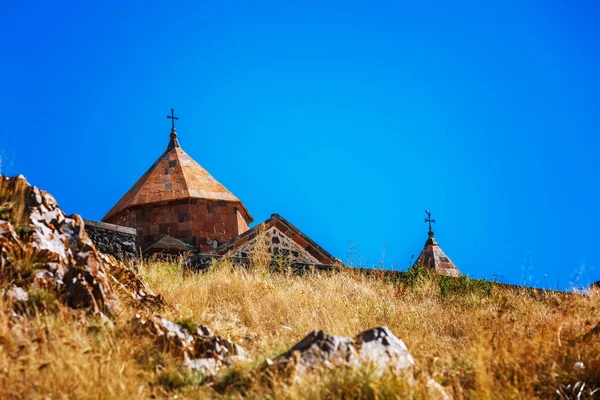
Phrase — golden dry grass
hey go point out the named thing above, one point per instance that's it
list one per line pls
(477, 343)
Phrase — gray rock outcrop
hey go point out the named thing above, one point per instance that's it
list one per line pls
(196, 345)
(376, 348)
(42, 249)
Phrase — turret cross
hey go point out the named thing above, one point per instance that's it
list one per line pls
(173, 118)
(428, 219)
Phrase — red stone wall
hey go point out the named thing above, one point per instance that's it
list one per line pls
(197, 222)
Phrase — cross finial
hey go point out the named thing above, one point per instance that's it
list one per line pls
(173, 118)
(173, 142)
(429, 221)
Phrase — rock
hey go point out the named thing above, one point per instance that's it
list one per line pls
(377, 348)
(316, 350)
(383, 350)
(200, 350)
(43, 249)
(17, 294)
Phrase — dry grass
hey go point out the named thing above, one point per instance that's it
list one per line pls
(477, 343)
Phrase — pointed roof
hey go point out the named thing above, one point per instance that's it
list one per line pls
(169, 243)
(173, 176)
(316, 253)
(433, 257)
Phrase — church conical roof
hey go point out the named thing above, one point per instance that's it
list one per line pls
(434, 258)
(173, 176)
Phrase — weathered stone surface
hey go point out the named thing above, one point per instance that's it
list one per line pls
(113, 240)
(377, 348)
(380, 347)
(43, 249)
(199, 349)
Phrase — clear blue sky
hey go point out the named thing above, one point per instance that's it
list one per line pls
(349, 119)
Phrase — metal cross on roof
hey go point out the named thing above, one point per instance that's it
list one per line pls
(428, 219)
(173, 118)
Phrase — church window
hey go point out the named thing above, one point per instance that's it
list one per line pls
(167, 171)
(172, 163)
(183, 216)
(444, 259)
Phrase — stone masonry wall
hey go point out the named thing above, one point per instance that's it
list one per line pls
(196, 222)
(118, 241)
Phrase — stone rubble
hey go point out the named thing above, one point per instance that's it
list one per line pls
(200, 350)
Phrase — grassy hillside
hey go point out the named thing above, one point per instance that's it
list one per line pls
(477, 340)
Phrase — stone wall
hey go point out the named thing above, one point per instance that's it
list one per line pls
(203, 261)
(201, 223)
(118, 241)
(279, 245)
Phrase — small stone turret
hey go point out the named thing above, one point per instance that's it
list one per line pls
(433, 257)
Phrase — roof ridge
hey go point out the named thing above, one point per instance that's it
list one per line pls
(269, 222)
(185, 182)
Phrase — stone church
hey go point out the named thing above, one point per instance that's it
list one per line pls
(177, 206)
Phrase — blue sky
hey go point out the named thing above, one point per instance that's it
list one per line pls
(349, 119)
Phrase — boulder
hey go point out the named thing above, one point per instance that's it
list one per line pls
(41, 248)
(195, 345)
(376, 348)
